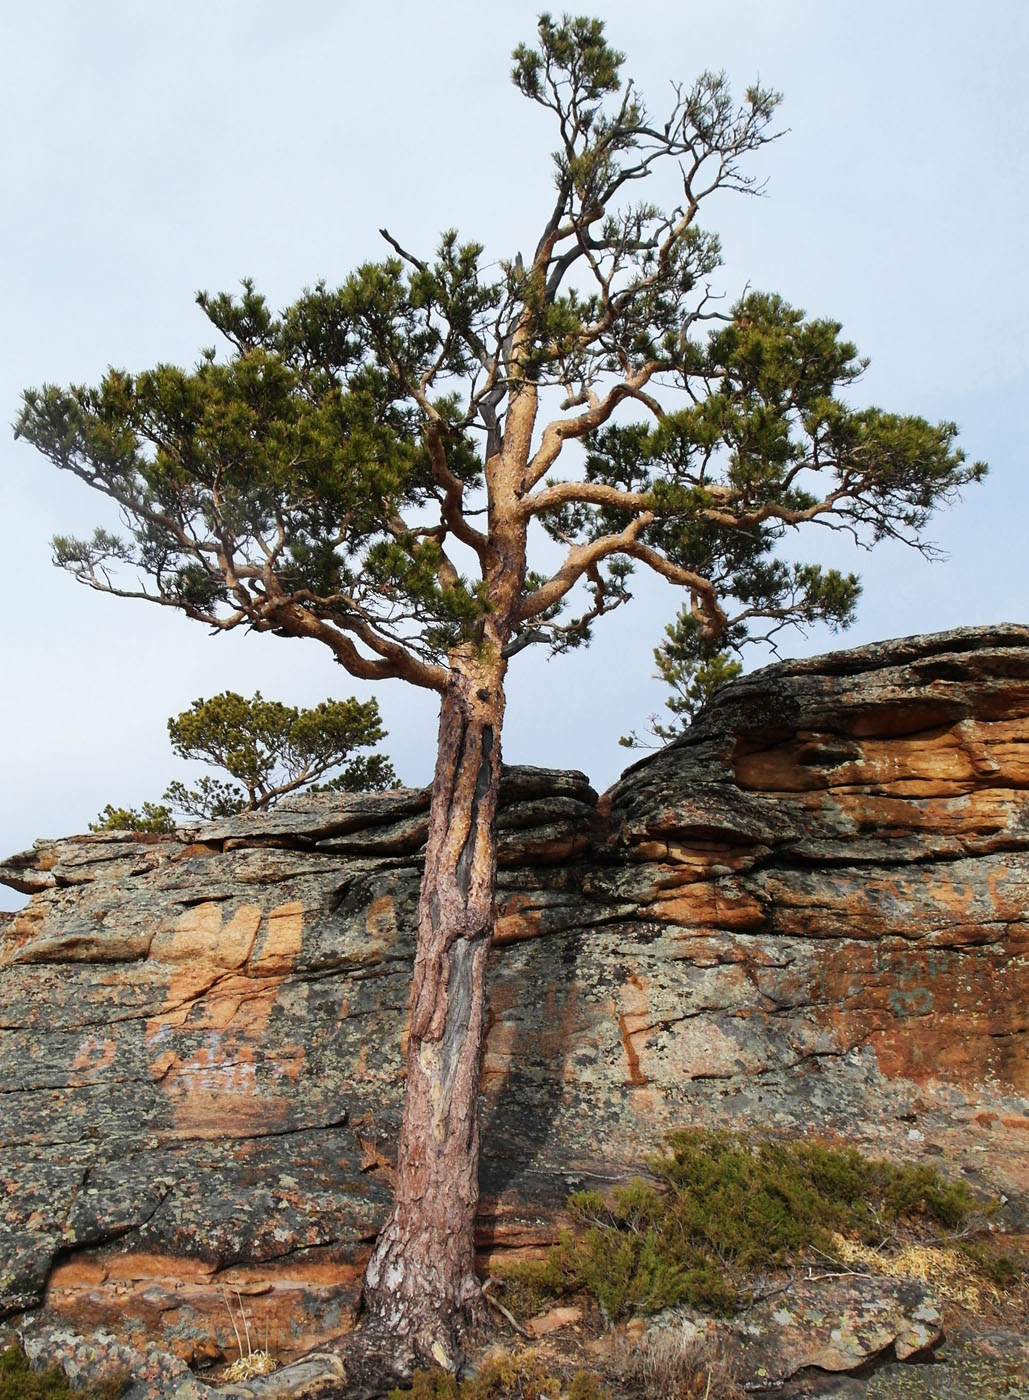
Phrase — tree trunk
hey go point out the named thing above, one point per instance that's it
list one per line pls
(421, 1276)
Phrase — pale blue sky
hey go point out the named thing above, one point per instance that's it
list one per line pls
(149, 151)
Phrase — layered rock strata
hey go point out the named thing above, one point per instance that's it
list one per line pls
(808, 915)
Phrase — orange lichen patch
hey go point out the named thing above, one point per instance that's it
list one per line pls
(147, 1297)
(652, 850)
(219, 980)
(142, 1266)
(942, 1052)
(78, 1272)
(953, 901)
(943, 906)
(361, 1063)
(634, 1023)
(200, 848)
(971, 816)
(228, 992)
(201, 936)
(560, 1019)
(502, 1043)
(693, 866)
(632, 1059)
(1006, 889)
(278, 950)
(216, 1094)
(94, 1056)
(24, 928)
(504, 994)
(711, 905)
(928, 1013)
(504, 1040)
(162, 1066)
(381, 919)
(556, 852)
(855, 905)
(287, 1063)
(374, 1159)
(1011, 762)
(926, 763)
(516, 921)
(940, 757)
(702, 860)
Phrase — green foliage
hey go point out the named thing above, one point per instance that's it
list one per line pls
(269, 750)
(693, 670)
(519, 1375)
(1003, 1269)
(726, 1207)
(152, 817)
(18, 1381)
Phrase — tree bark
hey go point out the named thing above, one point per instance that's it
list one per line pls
(421, 1277)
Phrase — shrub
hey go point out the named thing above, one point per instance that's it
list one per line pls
(725, 1206)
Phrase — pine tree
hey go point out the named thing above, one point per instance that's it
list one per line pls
(366, 469)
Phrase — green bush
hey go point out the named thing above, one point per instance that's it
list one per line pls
(1004, 1270)
(725, 1206)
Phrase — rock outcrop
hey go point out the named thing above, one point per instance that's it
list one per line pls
(809, 914)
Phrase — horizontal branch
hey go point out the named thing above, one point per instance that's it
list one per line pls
(395, 660)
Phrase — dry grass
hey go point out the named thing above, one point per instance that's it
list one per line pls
(255, 1363)
(952, 1276)
(679, 1364)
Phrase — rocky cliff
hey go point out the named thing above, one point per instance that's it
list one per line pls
(809, 914)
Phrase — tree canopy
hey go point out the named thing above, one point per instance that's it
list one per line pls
(325, 476)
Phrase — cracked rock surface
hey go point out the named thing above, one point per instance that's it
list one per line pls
(808, 915)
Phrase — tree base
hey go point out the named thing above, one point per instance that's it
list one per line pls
(417, 1330)
(366, 1363)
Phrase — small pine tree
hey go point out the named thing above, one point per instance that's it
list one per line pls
(693, 672)
(152, 817)
(269, 750)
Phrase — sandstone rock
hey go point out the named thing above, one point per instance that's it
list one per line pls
(808, 915)
(836, 1325)
(552, 1320)
(101, 1357)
